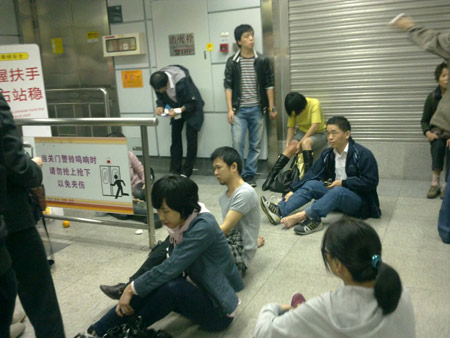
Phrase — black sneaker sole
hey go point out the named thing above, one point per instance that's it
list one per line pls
(263, 207)
(320, 227)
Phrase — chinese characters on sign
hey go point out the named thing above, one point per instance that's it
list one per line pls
(17, 77)
(22, 84)
(86, 173)
(181, 44)
(73, 177)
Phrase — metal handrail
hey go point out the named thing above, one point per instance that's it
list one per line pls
(101, 89)
(141, 122)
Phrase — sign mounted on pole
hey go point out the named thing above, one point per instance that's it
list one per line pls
(86, 173)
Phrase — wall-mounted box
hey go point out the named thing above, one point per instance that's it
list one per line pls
(123, 44)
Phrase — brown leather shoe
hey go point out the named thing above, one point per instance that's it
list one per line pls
(113, 291)
(434, 191)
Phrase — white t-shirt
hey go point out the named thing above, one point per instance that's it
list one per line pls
(245, 201)
(350, 311)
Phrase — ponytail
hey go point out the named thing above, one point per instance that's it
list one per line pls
(388, 288)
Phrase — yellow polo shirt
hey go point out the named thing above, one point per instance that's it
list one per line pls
(311, 114)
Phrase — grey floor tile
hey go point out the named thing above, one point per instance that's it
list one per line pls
(285, 264)
(432, 312)
(419, 268)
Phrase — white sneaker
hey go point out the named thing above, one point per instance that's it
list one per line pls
(18, 317)
(271, 210)
(15, 330)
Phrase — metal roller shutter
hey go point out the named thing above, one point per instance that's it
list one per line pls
(344, 54)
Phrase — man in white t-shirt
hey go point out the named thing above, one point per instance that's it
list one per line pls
(240, 211)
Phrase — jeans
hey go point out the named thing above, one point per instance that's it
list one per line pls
(35, 284)
(444, 216)
(327, 200)
(176, 148)
(8, 291)
(248, 118)
(176, 295)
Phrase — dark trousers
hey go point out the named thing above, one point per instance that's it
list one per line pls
(8, 291)
(444, 216)
(35, 285)
(156, 257)
(176, 149)
(438, 150)
(138, 192)
(176, 295)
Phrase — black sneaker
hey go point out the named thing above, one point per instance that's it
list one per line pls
(308, 226)
(271, 210)
(250, 180)
(113, 291)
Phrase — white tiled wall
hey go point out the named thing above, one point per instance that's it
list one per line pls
(222, 16)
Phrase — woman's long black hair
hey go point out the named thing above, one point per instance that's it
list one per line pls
(355, 243)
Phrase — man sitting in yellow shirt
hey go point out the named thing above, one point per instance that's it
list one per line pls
(306, 132)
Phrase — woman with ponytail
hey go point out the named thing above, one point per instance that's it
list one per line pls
(371, 303)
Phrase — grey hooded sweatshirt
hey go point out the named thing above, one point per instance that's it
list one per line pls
(350, 311)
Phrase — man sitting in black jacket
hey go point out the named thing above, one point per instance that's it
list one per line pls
(345, 178)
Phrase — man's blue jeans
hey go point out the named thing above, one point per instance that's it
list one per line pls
(327, 200)
(248, 118)
(444, 215)
(176, 295)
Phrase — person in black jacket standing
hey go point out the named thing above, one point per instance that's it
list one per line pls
(176, 91)
(8, 285)
(344, 178)
(29, 261)
(249, 94)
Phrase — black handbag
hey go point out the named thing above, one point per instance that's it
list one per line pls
(284, 179)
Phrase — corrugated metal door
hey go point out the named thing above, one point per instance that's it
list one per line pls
(344, 54)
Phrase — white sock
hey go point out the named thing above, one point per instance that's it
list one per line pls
(435, 180)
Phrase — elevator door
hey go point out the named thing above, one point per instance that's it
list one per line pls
(174, 17)
(69, 33)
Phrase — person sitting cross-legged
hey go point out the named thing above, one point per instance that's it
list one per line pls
(345, 178)
(198, 280)
(241, 220)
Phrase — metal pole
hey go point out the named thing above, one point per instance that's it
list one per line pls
(148, 187)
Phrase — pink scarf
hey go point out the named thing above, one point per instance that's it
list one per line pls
(176, 234)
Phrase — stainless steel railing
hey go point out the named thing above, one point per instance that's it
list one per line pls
(143, 123)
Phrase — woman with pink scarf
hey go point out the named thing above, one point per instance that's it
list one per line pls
(198, 280)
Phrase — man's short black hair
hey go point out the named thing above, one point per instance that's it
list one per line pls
(180, 194)
(439, 69)
(229, 156)
(241, 29)
(341, 122)
(159, 80)
(294, 102)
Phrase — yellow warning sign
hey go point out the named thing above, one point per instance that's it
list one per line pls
(209, 47)
(57, 46)
(92, 35)
(13, 56)
(132, 79)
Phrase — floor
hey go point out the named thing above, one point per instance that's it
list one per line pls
(90, 255)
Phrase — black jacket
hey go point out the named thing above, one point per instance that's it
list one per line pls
(264, 79)
(362, 176)
(21, 174)
(5, 261)
(187, 95)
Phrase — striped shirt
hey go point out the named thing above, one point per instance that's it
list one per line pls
(249, 96)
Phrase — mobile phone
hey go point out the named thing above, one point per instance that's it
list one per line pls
(327, 183)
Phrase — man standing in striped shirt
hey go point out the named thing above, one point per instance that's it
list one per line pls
(249, 95)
